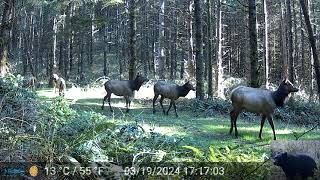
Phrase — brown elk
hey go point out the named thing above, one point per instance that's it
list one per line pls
(170, 91)
(123, 88)
(259, 101)
(59, 84)
(30, 82)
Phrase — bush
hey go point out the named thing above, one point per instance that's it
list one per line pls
(18, 116)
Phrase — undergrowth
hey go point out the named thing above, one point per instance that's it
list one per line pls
(54, 133)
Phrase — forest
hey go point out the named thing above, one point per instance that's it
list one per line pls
(131, 89)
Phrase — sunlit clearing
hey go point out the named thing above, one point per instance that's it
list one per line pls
(249, 137)
(145, 92)
(168, 131)
(283, 131)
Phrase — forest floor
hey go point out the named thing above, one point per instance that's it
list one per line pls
(192, 129)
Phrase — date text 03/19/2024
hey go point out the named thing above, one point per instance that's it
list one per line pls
(138, 171)
(173, 171)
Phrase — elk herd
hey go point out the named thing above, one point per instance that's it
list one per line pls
(255, 100)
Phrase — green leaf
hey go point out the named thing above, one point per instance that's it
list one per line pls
(195, 150)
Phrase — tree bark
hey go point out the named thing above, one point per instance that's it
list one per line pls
(266, 43)
(254, 71)
(290, 42)
(199, 49)
(161, 49)
(132, 40)
(190, 62)
(283, 42)
(209, 49)
(219, 67)
(312, 43)
(4, 36)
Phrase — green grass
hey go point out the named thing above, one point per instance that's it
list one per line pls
(197, 131)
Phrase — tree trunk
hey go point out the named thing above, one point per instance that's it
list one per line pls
(302, 56)
(145, 49)
(312, 43)
(105, 59)
(53, 64)
(283, 42)
(190, 62)
(161, 50)
(290, 42)
(266, 43)
(4, 36)
(296, 45)
(173, 72)
(199, 49)
(209, 49)
(219, 67)
(132, 40)
(254, 71)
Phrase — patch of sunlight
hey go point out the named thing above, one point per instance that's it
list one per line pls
(74, 93)
(282, 131)
(165, 130)
(216, 127)
(249, 137)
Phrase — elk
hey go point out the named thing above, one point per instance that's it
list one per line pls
(30, 82)
(59, 84)
(123, 88)
(259, 101)
(170, 91)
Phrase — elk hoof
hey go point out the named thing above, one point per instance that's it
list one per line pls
(102, 107)
(154, 111)
(177, 115)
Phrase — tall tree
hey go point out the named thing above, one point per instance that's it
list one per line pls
(4, 36)
(312, 43)
(283, 42)
(219, 67)
(290, 42)
(190, 62)
(266, 43)
(161, 49)
(254, 71)
(209, 46)
(132, 40)
(199, 50)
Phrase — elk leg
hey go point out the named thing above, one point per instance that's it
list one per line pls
(161, 101)
(127, 103)
(175, 108)
(231, 120)
(235, 117)
(104, 99)
(154, 101)
(272, 126)
(261, 125)
(109, 100)
(169, 107)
